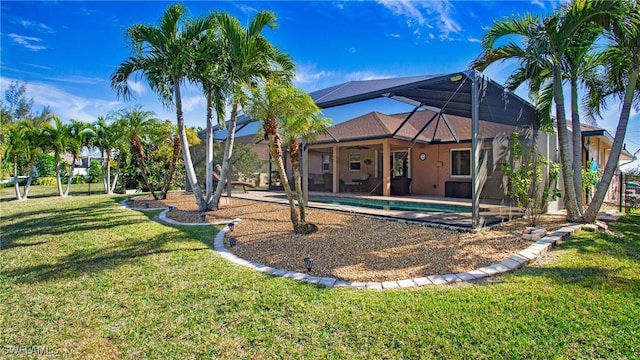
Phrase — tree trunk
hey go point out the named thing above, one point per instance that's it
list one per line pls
(294, 153)
(16, 184)
(209, 152)
(70, 178)
(577, 145)
(108, 187)
(570, 201)
(136, 144)
(59, 181)
(168, 177)
(275, 148)
(186, 155)
(115, 180)
(27, 187)
(228, 151)
(612, 163)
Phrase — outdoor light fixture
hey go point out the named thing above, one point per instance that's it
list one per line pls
(308, 261)
(231, 226)
(146, 205)
(203, 216)
(171, 207)
(232, 242)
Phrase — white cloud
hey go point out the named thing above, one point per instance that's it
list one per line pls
(64, 104)
(191, 103)
(43, 28)
(28, 42)
(424, 14)
(393, 35)
(137, 87)
(539, 3)
(473, 40)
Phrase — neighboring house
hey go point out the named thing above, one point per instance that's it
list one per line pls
(83, 162)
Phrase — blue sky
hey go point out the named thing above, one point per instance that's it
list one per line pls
(67, 50)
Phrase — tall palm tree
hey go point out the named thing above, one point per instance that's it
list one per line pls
(248, 59)
(622, 68)
(139, 124)
(21, 143)
(546, 45)
(106, 139)
(164, 55)
(291, 111)
(56, 138)
(78, 137)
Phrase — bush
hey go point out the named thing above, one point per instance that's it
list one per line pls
(46, 180)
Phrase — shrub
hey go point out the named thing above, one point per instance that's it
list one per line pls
(46, 180)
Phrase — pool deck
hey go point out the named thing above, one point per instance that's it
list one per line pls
(491, 214)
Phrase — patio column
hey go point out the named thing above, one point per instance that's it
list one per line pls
(336, 183)
(386, 168)
(475, 153)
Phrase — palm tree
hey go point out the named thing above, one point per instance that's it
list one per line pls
(168, 149)
(21, 143)
(622, 68)
(139, 124)
(290, 110)
(56, 140)
(248, 59)
(78, 137)
(546, 46)
(106, 139)
(164, 55)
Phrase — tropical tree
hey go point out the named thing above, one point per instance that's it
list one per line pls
(248, 59)
(138, 124)
(167, 141)
(23, 145)
(548, 48)
(107, 139)
(288, 110)
(56, 140)
(622, 67)
(78, 137)
(164, 55)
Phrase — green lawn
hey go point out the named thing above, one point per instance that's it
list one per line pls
(82, 277)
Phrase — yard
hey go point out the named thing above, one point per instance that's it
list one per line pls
(83, 277)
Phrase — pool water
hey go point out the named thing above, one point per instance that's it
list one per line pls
(391, 205)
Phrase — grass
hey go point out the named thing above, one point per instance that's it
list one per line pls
(82, 277)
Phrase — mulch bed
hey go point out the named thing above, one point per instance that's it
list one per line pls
(352, 247)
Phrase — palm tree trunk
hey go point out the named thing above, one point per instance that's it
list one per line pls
(115, 181)
(209, 152)
(294, 149)
(70, 178)
(16, 184)
(276, 153)
(186, 155)
(172, 168)
(570, 201)
(107, 171)
(577, 145)
(612, 163)
(137, 149)
(27, 187)
(228, 151)
(59, 181)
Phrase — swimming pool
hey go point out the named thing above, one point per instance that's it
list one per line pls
(381, 204)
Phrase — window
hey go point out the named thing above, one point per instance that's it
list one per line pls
(354, 162)
(400, 163)
(461, 162)
(326, 160)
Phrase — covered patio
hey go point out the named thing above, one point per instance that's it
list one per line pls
(465, 116)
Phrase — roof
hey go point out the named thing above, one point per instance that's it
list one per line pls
(376, 125)
(446, 93)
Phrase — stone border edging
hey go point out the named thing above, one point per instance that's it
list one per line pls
(511, 263)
